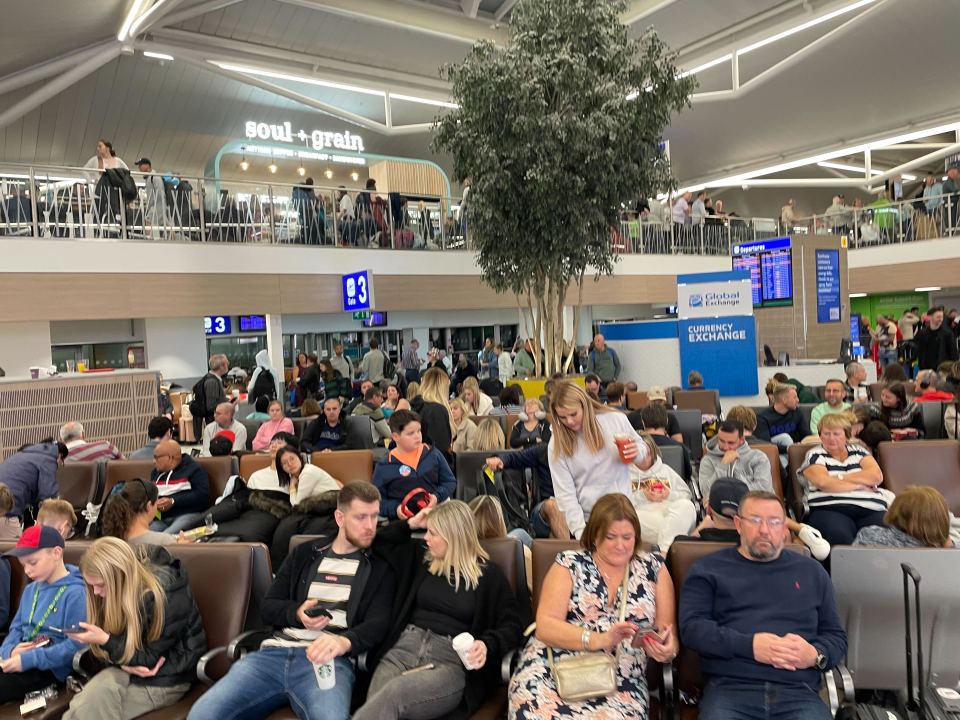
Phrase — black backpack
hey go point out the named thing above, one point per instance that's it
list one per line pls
(265, 385)
(510, 487)
(122, 179)
(389, 369)
(198, 406)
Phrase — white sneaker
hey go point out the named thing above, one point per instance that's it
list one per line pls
(812, 538)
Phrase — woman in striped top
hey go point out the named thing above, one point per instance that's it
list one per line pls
(841, 483)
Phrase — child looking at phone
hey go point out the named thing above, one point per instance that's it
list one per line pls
(414, 475)
(36, 653)
(662, 500)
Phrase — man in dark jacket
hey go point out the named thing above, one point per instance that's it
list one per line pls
(935, 342)
(327, 432)
(31, 475)
(352, 589)
(184, 488)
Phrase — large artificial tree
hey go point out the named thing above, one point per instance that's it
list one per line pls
(557, 130)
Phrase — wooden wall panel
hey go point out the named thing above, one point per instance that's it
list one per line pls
(905, 276)
(100, 296)
(409, 178)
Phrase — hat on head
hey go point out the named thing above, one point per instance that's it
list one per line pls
(725, 496)
(656, 393)
(36, 537)
(144, 161)
(228, 434)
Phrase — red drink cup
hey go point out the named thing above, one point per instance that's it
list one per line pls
(622, 441)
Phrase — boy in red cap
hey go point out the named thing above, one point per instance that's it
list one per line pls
(36, 653)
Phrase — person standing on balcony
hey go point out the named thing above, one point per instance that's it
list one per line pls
(951, 188)
(107, 201)
(155, 217)
(788, 216)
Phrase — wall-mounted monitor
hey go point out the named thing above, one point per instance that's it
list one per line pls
(376, 319)
(770, 263)
(253, 323)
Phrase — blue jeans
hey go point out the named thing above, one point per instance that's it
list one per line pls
(887, 356)
(541, 528)
(725, 699)
(262, 681)
(174, 525)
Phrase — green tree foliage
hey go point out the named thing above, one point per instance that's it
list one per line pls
(556, 130)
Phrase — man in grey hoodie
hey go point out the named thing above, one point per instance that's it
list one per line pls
(728, 456)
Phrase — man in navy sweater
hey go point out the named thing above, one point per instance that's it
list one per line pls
(763, 621)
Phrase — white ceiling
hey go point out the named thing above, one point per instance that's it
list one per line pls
(892, 68)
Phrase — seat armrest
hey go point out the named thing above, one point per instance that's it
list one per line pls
(85, 664)
(362, 660)
(245, 642)
(506, 665)
(833, 697)
(205, 660)
(668, 692)
(849, 691)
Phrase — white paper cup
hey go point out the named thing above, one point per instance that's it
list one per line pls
(462, 644)
(326, 675)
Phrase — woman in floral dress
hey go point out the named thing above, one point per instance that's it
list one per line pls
(579, 611)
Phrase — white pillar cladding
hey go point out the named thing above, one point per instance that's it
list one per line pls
(24, 345)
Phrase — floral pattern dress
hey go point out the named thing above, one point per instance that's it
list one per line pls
(533, 693)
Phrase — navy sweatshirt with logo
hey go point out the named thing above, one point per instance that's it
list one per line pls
(394, 479)
(726, 599)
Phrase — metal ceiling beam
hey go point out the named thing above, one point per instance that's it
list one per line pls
(303, 63)
(639, 9)
(414, 17)
(59, 84)
(191, 12)
(505, 7)
(49, 68)
(919, 162)
(470, 8)
(157, 10)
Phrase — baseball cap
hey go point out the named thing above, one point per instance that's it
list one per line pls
(36, 537)
(228, 434)
(656, 393)
(143, 161)
(725, 496)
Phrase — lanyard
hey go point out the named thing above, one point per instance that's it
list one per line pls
(50, 608)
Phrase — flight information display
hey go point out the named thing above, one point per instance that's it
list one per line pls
(751, 263)
(776, 270)
(770, 263)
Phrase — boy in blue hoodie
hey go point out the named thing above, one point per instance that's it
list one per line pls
(36, 653)
(409, 467)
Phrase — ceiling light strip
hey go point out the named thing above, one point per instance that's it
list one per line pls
(259, 72)
(804, 26)
(129, 20)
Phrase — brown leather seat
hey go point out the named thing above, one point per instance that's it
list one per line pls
(510, 422)
(219, 470)
(251, 462)
(346, 465)
(637, 400)
(923, 462)
(773, 455)
(706, 401)
(123, 470)
(795, 456)
(220, 575)
(80, 482)
(544, 554)
(682, 556)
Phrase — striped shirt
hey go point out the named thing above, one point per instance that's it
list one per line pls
(331, 586)
(95, 450)
(815, 498)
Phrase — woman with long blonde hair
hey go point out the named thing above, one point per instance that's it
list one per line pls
(433, 407)
(466, 431)
(490, 436)
(454, 590)
(590, 451)
(142, 621)
(474, 398)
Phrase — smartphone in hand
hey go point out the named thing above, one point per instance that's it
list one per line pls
(317, 611)
(646, 629)
(67, 630)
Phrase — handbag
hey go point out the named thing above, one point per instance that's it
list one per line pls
(590, 674)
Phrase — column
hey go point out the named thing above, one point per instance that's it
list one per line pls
(176, 347)
(275, 349)
(24, 345)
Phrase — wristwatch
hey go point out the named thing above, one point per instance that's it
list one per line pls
(821, 661)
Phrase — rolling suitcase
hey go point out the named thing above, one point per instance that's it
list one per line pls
(923, 702)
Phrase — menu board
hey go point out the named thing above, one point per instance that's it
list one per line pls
(776, 272)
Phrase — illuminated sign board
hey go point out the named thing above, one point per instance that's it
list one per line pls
(216, 325)
(358, 291)
(318, 139)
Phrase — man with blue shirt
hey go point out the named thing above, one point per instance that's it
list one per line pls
(763, 621)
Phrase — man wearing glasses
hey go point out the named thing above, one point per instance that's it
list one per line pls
(763, 621)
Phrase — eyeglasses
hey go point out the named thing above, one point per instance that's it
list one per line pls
(772, 523)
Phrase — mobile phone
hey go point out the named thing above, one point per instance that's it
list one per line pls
(66, 631)
(317, 611)
(644, 630)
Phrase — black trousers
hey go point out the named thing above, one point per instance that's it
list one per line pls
(13, 686)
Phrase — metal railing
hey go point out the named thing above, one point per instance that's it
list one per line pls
(883, 222)
(79, 203)
(63, 202)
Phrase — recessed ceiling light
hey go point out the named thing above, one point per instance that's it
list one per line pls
(856, 295)
(928, 289)
(272, 167)
(157, 56)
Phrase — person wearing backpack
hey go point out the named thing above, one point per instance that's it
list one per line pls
(263, 381)
(208, 392)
